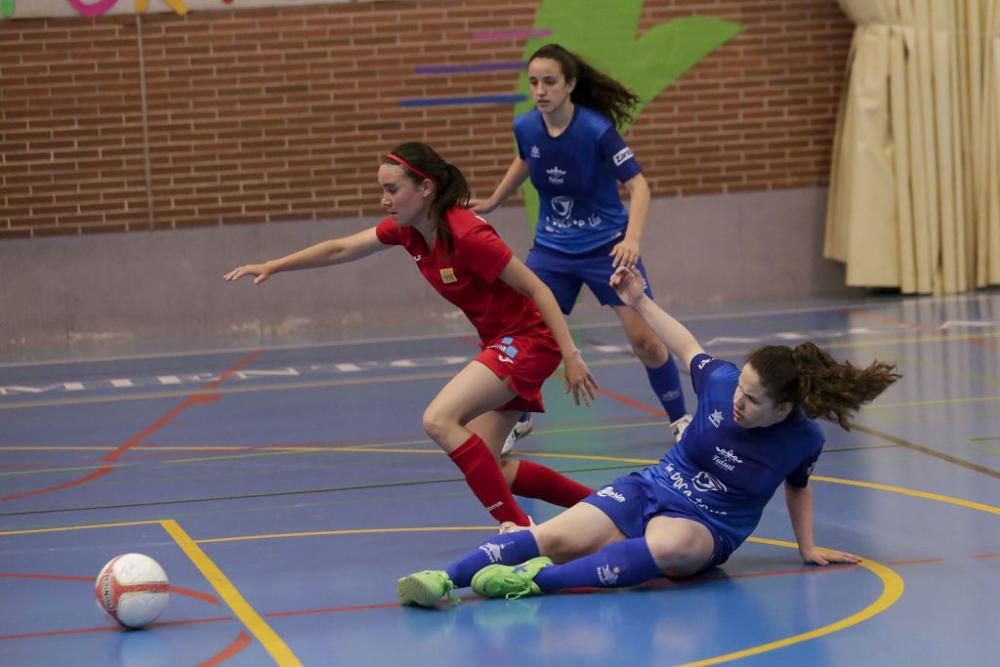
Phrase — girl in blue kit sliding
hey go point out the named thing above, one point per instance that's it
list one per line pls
(570, 148)
(753, 431)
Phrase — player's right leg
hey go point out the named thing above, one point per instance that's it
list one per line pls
(555, 271)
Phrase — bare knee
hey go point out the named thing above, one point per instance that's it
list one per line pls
(556, 545)
(680, 554)
(438, 424)
(650, 350)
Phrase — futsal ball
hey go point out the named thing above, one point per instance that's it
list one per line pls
(132, 589)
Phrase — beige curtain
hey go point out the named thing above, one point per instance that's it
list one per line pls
(914, 197)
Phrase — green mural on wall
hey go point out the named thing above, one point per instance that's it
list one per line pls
(606, 35)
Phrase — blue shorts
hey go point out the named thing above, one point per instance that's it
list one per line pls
(631, 501)
(565, 274)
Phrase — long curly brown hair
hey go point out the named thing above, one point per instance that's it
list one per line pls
(807, 376)
(593, 89)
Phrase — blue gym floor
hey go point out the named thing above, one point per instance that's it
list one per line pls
(285, 490)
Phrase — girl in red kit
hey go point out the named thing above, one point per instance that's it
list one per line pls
(523, 335)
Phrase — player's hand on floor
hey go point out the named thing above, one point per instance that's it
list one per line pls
(822, 557)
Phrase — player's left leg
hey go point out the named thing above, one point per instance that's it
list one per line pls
(527, 478)
(475, 390)
(661, 368)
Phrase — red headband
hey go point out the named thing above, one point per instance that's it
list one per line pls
(401, 161)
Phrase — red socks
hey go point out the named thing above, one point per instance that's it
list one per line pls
(484, 477)
(535, 481)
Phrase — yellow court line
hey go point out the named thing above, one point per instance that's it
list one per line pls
(927, 495)
(892, 583)
(892, 589)
(62, 529)
(346, 531)
(268, 638)
(589, 457)
(41, 471)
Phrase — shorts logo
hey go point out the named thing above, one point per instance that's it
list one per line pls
(507, 350)
(609, 492)
(621, 156)
(704, 362)
(448, 276)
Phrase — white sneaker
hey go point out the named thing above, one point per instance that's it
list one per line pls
(520, 430)
(679, 425)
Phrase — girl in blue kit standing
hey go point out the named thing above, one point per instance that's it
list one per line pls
(753, 431)
(570, 148)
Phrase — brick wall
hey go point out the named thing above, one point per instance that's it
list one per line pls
(277, 115)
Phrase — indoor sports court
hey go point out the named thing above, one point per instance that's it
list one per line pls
(787, 171)
(285, 489)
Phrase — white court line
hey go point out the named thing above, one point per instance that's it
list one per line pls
(866, 304)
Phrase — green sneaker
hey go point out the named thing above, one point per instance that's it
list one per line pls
(510, 581)
(425, 589)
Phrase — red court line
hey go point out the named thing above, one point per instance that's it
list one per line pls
(187, 592)
(915, 562)
(631, 402)
(334, 610)
(656, 583)
(987, 556)
(200, 398)
(110, 628)
(237, 645)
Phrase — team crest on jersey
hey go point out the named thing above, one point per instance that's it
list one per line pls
(556, 175)
(716, 418)
(448, 276)
(535, 152)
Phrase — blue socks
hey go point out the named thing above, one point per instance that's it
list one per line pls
(666, 383)
(506, 549)
(625, 563)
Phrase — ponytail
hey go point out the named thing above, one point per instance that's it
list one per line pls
(807, 376)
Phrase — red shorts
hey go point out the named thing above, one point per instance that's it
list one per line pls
(528, 362)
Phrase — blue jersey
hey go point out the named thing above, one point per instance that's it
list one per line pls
(727, 472)
(576, 175)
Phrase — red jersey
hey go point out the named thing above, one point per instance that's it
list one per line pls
(468, 276)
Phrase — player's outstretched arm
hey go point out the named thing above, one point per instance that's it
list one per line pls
(630, 286)
(516, 174)
(325, 253)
